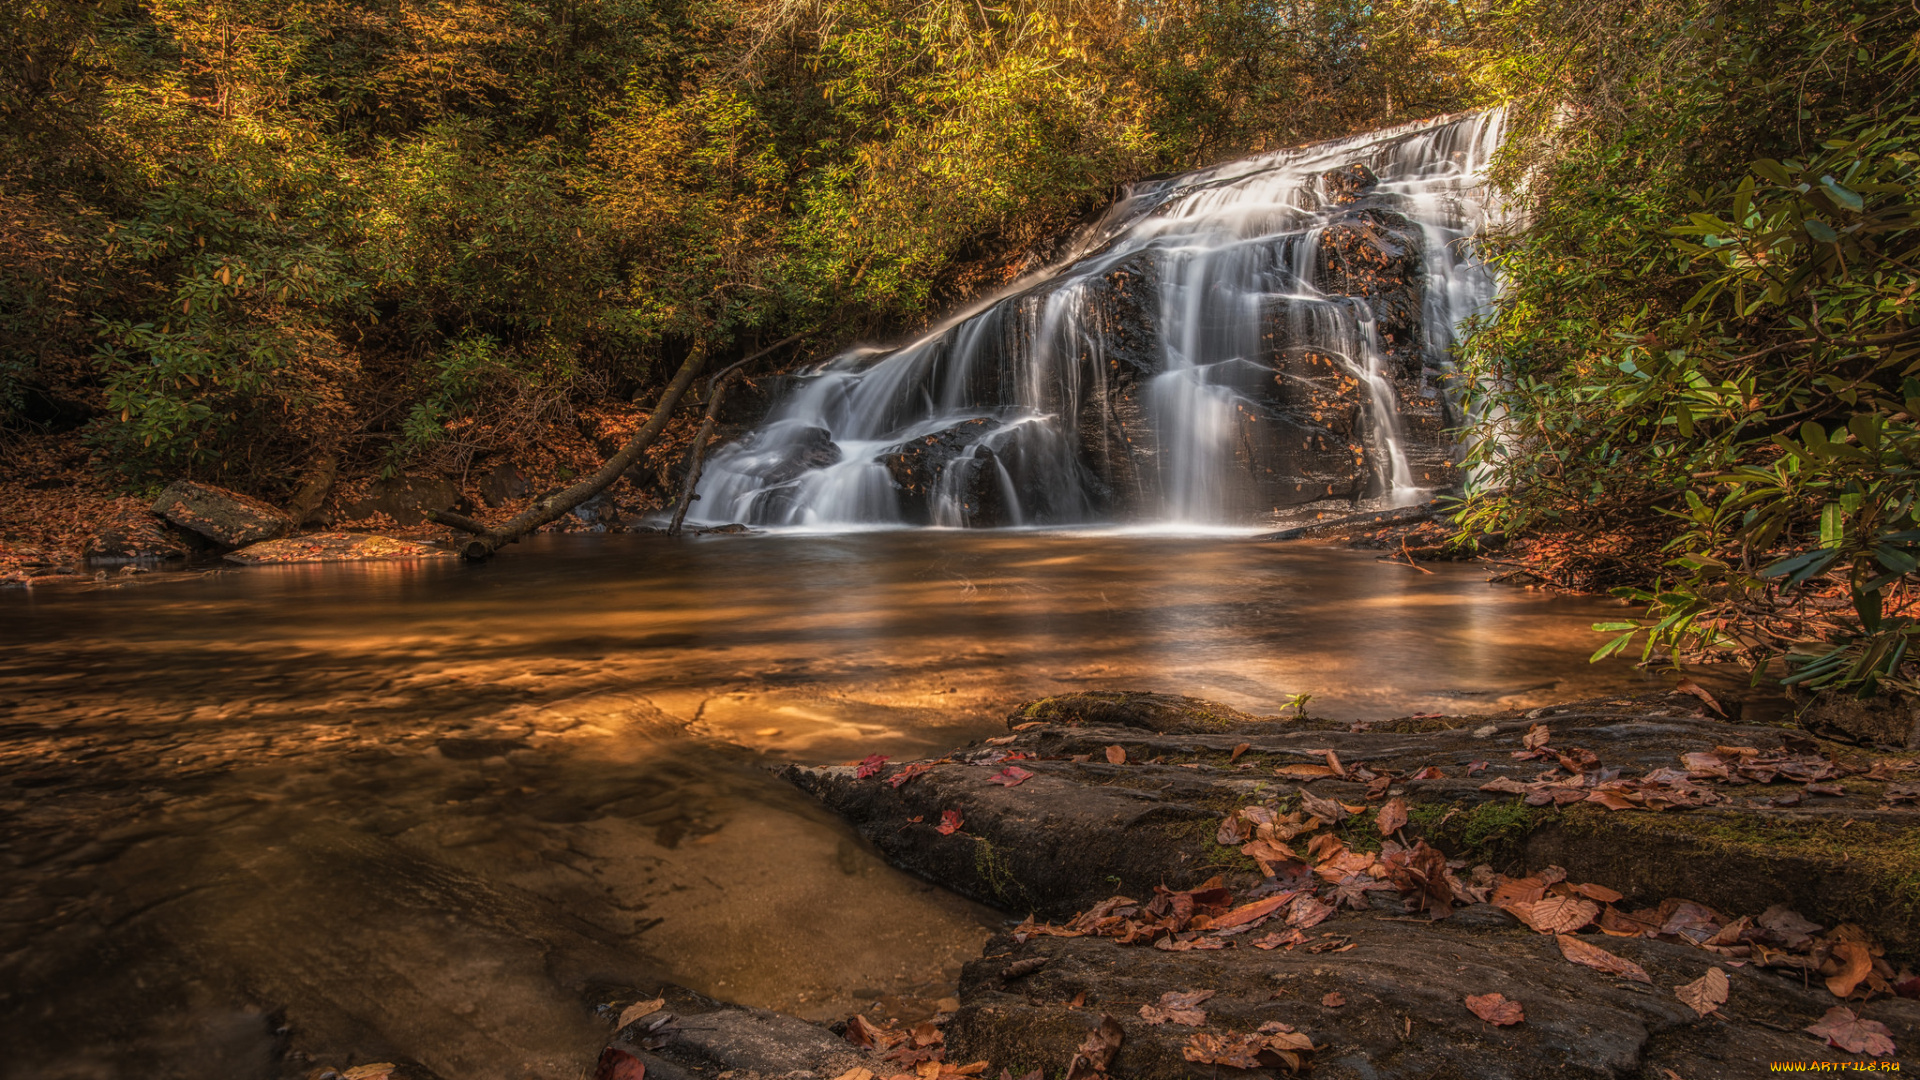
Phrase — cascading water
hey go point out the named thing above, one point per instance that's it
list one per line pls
(1219, 348)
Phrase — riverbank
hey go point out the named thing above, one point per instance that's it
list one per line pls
(1612, 888)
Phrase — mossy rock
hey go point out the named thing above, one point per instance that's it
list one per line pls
(1168, 714)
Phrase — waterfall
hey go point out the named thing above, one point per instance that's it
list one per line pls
(1265, 337)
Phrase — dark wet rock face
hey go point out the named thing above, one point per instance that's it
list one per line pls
(1889, 720)
(1348, 183)
(918, 465)
(504, 483)
(227, 518)
(406, 499)
(1125, 794)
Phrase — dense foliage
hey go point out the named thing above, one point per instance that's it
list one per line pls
(244, 236)
(1702, 375)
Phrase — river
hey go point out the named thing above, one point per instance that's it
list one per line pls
(437, 812)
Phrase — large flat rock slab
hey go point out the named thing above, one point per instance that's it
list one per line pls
(227, 518)
(1401, 1011)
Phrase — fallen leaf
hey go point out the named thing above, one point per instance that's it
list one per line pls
(1430, 772)
(1391, 817)
(868, 766)
(1275, 941)
(638, 1010)
(1855, 963)
(856, 1073)
(1475, 767)
(1705, 994)
(614, 1064)
(382, 1070)
(864, 1032)
(1495, 1009)
(1030, 725)
(1237, 751)
(1247, 913)
(1536, 737)
(1004, 740)
(1177, 1008)
(1325, 809)
(1011, 776)
(1334, 1000)
(1556, 914)
(950, 822)
(1599, 892)
(1303, 772)
(1333, 762)
(914, 769)
(1688, 686)
(1116, 755)
(1593, 956)
(1307, 912)
(1842, 1029)
(1096, 1053)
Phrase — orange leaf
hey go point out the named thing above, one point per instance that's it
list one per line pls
(1600, 959)
(1391, 817)
(1116, 755)
(1556, 914)
(1706, 993)
(1495, 1009)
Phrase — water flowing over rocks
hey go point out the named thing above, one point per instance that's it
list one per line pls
(1130, 795)
(1221, 347)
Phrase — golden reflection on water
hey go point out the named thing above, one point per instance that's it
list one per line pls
(501, 787)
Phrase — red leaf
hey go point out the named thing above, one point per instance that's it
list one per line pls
(617, 1064)
(869, 766)
(908, 773)
(1011, 776)
(949, 822)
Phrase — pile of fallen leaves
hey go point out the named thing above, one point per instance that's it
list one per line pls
(1578, 776)
(1312, 873)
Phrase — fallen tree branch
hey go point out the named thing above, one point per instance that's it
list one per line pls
(486, 540)
(716, 390)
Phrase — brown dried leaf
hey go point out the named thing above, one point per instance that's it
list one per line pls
(1705, 994)
(1307, 912)
(1592, 956)
(1688, 686)
(639, 1009)
(1556, 914)
(1334, 1000)
(1116, 755)
(1247, 913)
(1325, 809)
(1842, 1029)
(1391, 817)
(1097, 1052)
(1854, 962)
(1237, 751)
(1599, 892)
(1495, 1009)
(1536, 737)
(1303, 772)
(1177, 1008)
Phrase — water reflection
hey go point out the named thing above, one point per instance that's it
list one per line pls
(434, 812)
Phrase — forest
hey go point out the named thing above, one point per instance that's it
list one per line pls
(1238, 538)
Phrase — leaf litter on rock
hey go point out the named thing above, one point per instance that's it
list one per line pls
(1842, 1029)
(1178, 1008)
(1705, 994)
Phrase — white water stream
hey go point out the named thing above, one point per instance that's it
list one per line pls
(1229, 254)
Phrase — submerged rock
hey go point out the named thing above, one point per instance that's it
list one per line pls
(335, 547)
(227, 518)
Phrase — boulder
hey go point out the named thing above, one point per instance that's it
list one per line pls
(227, 518)
(917, 466)
(334, 547)
(1887, 719)
(131, 535)
(1348, 183)
(504, 483)
(406, 499)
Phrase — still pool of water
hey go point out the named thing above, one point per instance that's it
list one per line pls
(261, 820)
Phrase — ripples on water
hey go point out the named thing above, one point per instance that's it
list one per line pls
(396, 811)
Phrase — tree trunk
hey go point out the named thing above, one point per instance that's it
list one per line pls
(313, 488)
(486, 540)
(699, 456)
